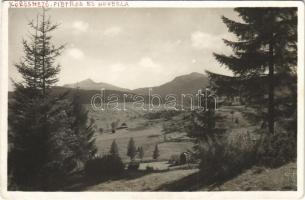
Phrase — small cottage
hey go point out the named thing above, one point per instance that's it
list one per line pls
(123, 126)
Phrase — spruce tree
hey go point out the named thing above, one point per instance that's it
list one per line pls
(156, 152)
(114, 150)
(83, 129)
(131, 149)
(264, 54)
(41, 154)
(141, 152)
(202, 127)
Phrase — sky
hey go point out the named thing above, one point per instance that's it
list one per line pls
(128, 47)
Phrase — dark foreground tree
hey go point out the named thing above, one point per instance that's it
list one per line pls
(264, 63)
(108, 166)
(41, 153)
(83, 129)
(264, 54)
(219, 159)
(131, 149)
(202, 127)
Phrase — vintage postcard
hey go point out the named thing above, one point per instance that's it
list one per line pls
(152, 100)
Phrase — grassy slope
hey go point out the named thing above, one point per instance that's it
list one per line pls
(183, 180)
(148, 182)
(146, 133)
(255, 179)
(282, 178)
(147, 138)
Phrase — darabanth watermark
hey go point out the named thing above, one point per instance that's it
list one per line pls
(202, 100)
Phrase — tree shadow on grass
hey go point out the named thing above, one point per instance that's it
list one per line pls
(80, 182)
(134, 174)
(193, 182)
(188, 183)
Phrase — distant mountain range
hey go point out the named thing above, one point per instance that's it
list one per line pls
(89, 84)
(185, 84)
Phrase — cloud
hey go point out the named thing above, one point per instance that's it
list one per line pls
(214, 43)
(202, 40)
(75, 53)
(112, 31)
(147, 62)
(169, 46)
(80, 26)
(118, 67)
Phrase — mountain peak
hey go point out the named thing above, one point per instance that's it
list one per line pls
(184, 84)
(89, 84)
(196, 74)
(88, 80)
(191, 76)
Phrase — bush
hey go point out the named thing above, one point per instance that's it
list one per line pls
(278, 149)
(153, 115)
(156, 152)
(58, 178)
(149, 168)
(164, 114)
(113, 126)
(225, 161)
(174, 159)
(173, 126)
(134, 165)
(107, 166)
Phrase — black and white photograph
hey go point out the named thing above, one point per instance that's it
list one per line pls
(147, 99)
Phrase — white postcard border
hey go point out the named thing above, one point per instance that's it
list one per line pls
(156, 195)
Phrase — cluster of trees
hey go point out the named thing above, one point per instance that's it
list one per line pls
(111, 165)
(49, 135)
(132, 151)
(264, 64)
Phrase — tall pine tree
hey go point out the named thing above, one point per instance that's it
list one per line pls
(83, 129)
(156, 152)
(141, 152)
(265, 53)
(41, 137)
(131, 149)
(202, 127)
(114, 149)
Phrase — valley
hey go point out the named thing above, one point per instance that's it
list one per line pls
(164, 176)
